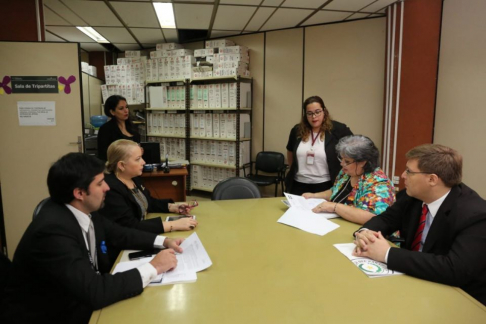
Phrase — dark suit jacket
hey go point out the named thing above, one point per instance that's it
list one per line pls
(455, 248)
(338, 131)
(110, 132)
(52, 278)
(122, 208)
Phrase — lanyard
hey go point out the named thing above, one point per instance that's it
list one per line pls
(314, 139)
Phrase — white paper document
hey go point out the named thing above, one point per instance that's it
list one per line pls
(307, 221)
(371, 268)
(193, 259)
(307, 204)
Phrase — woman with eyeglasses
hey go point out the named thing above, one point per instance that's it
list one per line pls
(361, 190)
(118, 127)
(311, 149)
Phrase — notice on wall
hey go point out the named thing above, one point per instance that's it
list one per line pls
(37, 113)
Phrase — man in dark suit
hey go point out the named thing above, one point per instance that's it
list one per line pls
(60, 270)
(442, 220)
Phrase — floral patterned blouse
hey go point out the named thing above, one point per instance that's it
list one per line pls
(374, 192)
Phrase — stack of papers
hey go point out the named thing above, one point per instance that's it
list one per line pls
(371, 268)
(300, 215)
(193, 259)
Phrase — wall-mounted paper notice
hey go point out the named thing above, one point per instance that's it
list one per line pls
(37, 113)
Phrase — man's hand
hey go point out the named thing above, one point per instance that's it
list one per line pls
(364, 238)
(174, 244)
(164, 261)
(372, 245)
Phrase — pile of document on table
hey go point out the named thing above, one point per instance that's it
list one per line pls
(193, 259)
(300, 215)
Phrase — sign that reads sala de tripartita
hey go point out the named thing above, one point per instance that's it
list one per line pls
(34, 84)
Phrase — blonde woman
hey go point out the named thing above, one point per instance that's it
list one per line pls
(128, 201)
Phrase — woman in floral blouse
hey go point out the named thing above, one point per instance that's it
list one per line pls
(361, 190)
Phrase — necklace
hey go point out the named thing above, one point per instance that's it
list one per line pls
(340, 192)
(139, 197)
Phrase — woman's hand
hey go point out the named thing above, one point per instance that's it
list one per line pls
(183, 224)
(181, 209)
(308, 195)
(325, 207)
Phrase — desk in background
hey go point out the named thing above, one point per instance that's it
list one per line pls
(266, 272)
(166, 185)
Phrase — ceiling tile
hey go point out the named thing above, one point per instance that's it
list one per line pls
(95, 13)
(203, 1)
(148, 35)
(233, 17)
(136, 14)
(192, 16)
(222, 33)
(116, 34)
(324, 16)
(239, 2)
(378, 5)
(52, 38)
(285, 18)
(357, 16)
(71, 34)
(92, 47)
(50, 18)
(64, 12)
(259, 18)
(128, 47)
(170, 35)
(349, 5)
(313, 4)
(273, 3)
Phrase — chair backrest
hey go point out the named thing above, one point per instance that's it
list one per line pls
(270, 162)
(39, 206)
(5, 269)
(235, 188)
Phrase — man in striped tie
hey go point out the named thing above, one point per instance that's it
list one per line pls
(442, 220)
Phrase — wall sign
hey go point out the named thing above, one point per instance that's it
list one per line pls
(34, 84)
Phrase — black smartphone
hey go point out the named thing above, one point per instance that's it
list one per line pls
(142, 254)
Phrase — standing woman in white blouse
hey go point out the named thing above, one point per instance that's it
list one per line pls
(311, 149)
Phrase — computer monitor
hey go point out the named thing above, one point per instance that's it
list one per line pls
(151, 152)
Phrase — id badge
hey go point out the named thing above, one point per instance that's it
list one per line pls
(310, 157)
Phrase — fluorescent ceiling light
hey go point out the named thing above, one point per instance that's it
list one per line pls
(93, 34)
(165, 14)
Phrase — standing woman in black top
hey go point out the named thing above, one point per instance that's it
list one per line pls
(311, 149)
(118, 127)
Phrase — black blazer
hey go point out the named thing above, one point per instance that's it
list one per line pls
(110, 132)
(338, 131)
(122, 208)
(52, 279)
(455, 248)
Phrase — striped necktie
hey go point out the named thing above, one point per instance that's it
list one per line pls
(418, 235)
(92, 243)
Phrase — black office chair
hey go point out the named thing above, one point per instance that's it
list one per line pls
(39, 206)
(268, 162)
(235, 188)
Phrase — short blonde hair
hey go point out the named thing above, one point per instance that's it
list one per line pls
(118, 151)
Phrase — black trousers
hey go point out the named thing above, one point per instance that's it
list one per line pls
(298, 188)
